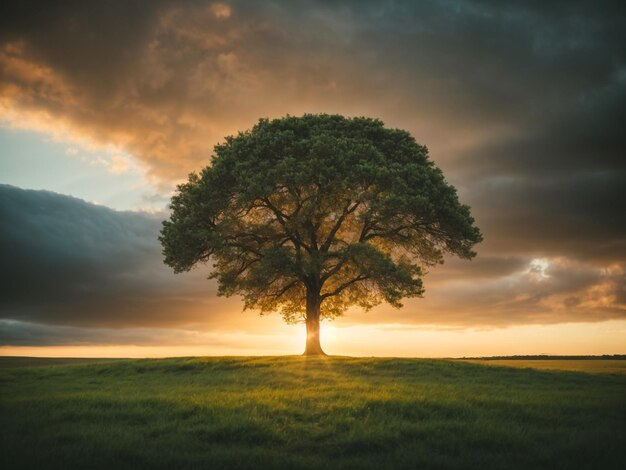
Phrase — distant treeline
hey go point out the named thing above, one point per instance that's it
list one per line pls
(548, 357)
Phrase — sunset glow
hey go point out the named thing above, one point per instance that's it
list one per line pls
(521, 109)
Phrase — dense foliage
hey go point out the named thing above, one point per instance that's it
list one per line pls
(309, 215)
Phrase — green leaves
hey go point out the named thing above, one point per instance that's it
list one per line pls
(339, 207)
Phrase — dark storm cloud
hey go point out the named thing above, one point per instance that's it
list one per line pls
(522, 104)
(19, 333)
(65, 261)
(579, 216)
(560, 189)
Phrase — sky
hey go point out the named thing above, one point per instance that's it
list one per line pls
(106, 106)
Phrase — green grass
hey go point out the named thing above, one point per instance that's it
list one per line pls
(591, 366)
(296, 412)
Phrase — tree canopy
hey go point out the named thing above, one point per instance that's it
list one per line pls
(309, 215)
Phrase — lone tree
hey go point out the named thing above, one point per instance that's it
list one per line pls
(309, 215)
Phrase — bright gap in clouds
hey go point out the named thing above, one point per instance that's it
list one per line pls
(105, 176)
(538, 267)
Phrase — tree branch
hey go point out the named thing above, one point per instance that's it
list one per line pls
(343, 286)
(280, 217)
(280, 293)
(331, 235)
(388, 233)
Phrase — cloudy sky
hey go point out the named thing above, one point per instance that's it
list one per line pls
(105, 106)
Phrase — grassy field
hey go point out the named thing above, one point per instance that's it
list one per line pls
(591, 366)
(297, 412)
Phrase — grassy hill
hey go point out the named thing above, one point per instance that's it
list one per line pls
(298, 412)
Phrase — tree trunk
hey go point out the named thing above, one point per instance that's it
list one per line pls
(313, 347)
